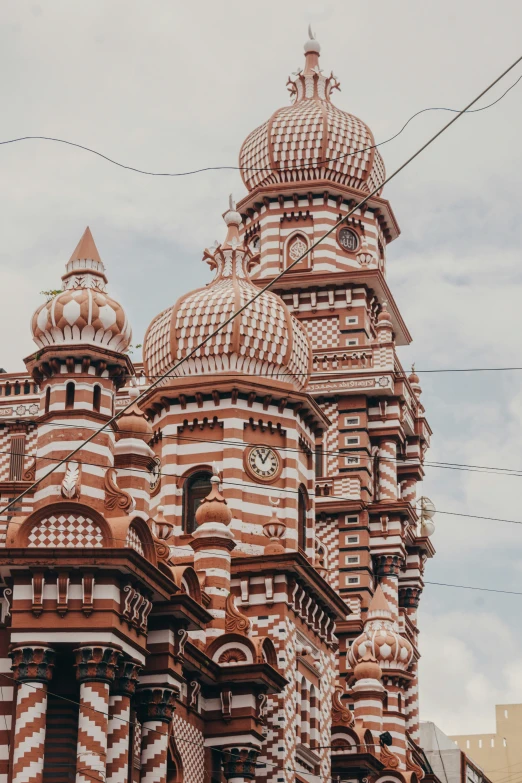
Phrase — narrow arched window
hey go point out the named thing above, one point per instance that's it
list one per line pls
(17, 388)
(196, 487)
(301, 519)
(69, 395)
(27, 388)
(7, 389)
(96, 398)
(399, 702)
(47, 399)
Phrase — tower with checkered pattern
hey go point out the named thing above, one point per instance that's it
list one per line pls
(304, 168)
(82, 336)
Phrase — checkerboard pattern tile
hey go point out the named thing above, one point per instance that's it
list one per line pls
(323, 332)
(331, 441)
(189, 742)
(328, 534)
(5, 438)
(73, 530)
(134, 541)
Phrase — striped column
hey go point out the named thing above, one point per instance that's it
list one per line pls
(387, 470)
(409, 490)
(118, 731)
(239, 763)
(409, 599)
(368, 695)
(95, 670)
(157, 706)
(387, 568)
(32, 669)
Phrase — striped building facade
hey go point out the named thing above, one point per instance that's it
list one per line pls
(222, 584)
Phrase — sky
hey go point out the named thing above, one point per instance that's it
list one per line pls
(172, 86)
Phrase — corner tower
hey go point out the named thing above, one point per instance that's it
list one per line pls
(308, 165)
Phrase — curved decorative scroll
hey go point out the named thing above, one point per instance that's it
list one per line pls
(234, 620)
(71, 482)
(116, 498)
(412, 765)
(340, 714)
(389, 759)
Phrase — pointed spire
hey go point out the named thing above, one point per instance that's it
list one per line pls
(85, 269)
(86, 248)
(379, 607)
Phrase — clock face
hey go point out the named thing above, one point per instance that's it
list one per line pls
(263, 463)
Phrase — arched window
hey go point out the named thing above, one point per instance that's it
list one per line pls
(195, 488)
(7, 389)
(69, 395)
(399, 702)
(96, 398)
(17, 388)
(47, 399)
(27, 388)
(302, 505)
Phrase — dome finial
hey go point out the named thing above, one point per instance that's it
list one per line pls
(312, 49)
(233, 220)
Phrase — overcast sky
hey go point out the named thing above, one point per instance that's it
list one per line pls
(170, 86)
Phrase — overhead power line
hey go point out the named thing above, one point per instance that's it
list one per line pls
(265, 288)
(261, 488)
(319, 162)
(349, 451)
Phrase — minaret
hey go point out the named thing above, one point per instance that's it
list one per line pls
(82, 334)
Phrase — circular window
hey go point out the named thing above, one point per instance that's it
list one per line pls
(348, 240)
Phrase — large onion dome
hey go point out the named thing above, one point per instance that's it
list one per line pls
(381, 640)
(311, 139)
(265, 340)
(82, 312)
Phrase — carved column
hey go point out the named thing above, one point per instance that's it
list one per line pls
(32, 669)
(157, 706)
(387, 568)
(95, 670)
(239, 763)
(118, 732)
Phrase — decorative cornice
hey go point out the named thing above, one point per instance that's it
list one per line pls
(240, 762)
(126, 678)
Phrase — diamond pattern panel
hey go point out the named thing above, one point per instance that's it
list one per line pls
(73, 530)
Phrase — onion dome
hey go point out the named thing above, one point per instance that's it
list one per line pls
(312, 139)
(265, 339)
(213, 509)
(133, 423)
(82, 312)
(415, 382)
(380, 640)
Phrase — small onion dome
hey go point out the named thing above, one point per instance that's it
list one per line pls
(415, 382)
(133, 423)
(312, 139)
(82, 312)
(265, 339)
(384, 317)
(381, 640)
(213, 509)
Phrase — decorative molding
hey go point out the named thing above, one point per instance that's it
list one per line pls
(38, 583)
(235, 622)
(116, 498)
(62, 587)
(88, 582)
(341, 715)
(71, 483)
(389, 759)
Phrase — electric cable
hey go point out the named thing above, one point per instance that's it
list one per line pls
(265, 288)
(319, 162)
(267, 489)
(414, 461)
